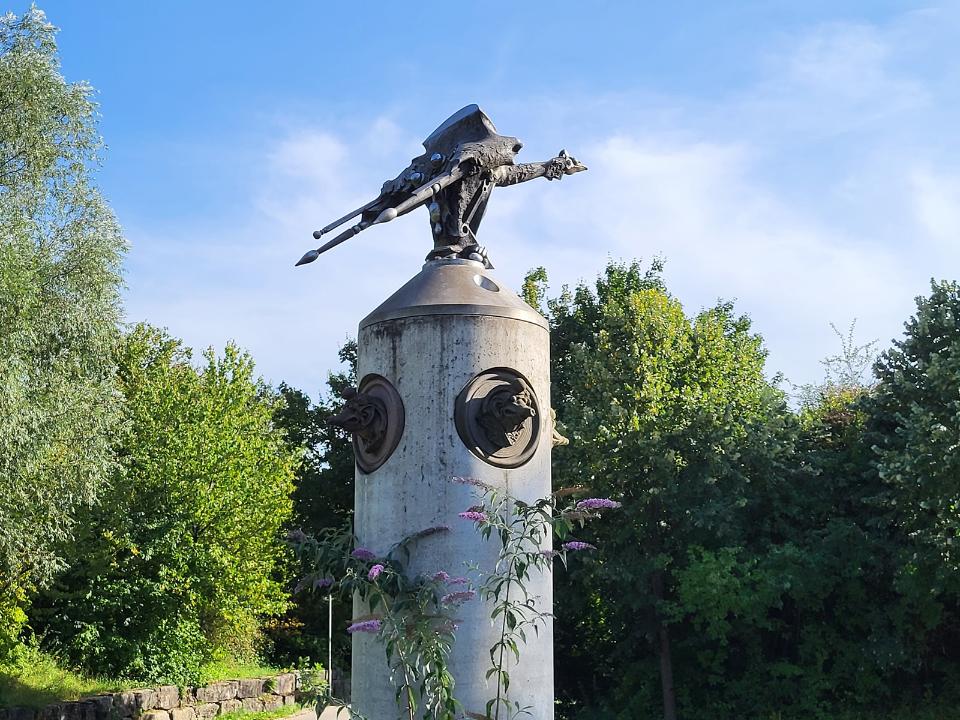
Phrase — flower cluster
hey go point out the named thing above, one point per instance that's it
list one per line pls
(440, 577)
(471, 481)
(597, 504)
(362, 553)
(457, 597)
(366, 626)
(577, 545)
(374, 572)
(474, 515)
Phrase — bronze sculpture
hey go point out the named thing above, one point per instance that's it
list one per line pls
(465, 159)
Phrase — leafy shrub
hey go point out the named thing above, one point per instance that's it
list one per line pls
(182, 556)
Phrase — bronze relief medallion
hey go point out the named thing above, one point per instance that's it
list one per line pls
(374, 414)
(498, 417)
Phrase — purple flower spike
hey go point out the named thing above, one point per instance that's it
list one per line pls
(367, 626)
(597, 504)
(457, 597)
(374, 572)
(474, 515)
(458, 581)
(576, 545)
(471, 481)
(548, 553)
(362, 553)
(441, 577)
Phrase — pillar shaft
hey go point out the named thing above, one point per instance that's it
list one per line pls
(430, 340)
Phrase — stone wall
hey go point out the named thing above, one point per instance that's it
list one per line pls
(168, 703)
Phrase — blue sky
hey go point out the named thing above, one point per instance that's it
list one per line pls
(799, 158)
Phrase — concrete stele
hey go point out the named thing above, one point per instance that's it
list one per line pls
(449, 323)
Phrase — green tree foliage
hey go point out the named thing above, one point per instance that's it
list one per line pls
(323, 500)
(672, 416)
(916, 421)
(324, 492)
(914, 432)
(182, 556)
(771, 562)
(60, 254)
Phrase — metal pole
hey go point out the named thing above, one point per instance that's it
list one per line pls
(329, 645)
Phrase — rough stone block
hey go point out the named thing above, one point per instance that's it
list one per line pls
(183, 713)
(218, 692)
(289, 700)
(133, 702)
(205, 711)
(285, 684)
(102, 705)
(168, 697)
(272, 702)
(123, 704)
(252, 704)
(87, 710)
(146, 698)
(60, 711)
(228, 706)
(155, 715)
(251, 687)
(50, 712)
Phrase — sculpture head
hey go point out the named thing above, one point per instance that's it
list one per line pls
(504, 412)
(570, 164)
(363, 415)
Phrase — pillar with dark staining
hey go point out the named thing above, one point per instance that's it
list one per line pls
(455, 371)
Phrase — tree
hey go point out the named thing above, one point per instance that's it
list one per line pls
(323, 500)
(913, 430)
(916, 422)
(182, 556)
(60, 254)
(672, 416)
(324, 493)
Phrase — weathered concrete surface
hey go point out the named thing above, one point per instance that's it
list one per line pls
(430, 350)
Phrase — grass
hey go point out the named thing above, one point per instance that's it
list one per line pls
(284, 711)
(230, 669)
(37, 680)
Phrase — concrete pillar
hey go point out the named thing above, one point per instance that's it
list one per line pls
(449, 324)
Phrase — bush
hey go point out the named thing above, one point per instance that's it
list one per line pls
(182, 557)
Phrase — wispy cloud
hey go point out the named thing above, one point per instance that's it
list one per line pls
(820, 193)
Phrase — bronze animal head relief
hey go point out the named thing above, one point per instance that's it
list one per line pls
(503, 412)
(374, 414)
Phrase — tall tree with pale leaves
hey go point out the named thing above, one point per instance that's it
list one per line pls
(60, 261)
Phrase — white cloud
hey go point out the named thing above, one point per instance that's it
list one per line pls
(936, 202)
(743, 198)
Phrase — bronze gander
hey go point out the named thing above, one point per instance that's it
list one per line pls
(374, 414)
(497, 415)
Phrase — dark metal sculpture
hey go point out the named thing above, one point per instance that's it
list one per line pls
(374, 414)
(465, 159)
(498, 417)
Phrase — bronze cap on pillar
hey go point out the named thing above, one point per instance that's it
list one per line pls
(453, 286)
